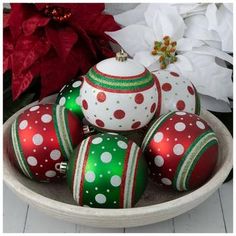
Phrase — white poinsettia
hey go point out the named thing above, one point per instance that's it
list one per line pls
(220, 20)
(192, 57)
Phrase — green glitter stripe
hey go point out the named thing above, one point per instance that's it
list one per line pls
(189, 156)
(18, 151)
(78, 170)
(154, 127)
(128, 197)
(63, 132)
(67, 132)
(57, 130)
(210, 143)
(119, 84)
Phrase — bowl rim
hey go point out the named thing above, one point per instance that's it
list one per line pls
(56, 206)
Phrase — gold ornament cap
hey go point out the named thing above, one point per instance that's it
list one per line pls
(121, 55)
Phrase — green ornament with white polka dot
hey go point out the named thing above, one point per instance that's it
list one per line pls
(107, 171)
(69, 97)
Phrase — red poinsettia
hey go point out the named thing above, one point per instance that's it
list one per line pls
(54, 41)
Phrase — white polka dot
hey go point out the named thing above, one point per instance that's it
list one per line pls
(23, 124)
(32, 161)
(77, 100)
(178, 149)
(62, 101)
(76, 84)
(50, 173)
(180, 113)
(166, 181)
(180, 126)
(159, 161)
(122, 144)
(115, 180)
(200, 125)
(46, 118)
(100, 198)
(37, 139)
(90, 176)
(35, 108)
(97, 140)
(55, 154)
(158, 137)
(106, 157)
(112, 133)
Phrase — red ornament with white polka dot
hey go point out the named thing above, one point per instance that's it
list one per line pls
(41, 137)
(119, 94)
(181, 150)
(176, 93)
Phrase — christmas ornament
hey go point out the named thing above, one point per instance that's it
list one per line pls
(177, 93)
(181, 150)
(41, 137)
(106, 171)
(69, 97)
(119, 94)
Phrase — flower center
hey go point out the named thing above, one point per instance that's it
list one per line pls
(58, 14)
(166, 50)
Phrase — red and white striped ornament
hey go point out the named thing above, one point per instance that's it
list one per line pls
(181, 150)
(41, 137)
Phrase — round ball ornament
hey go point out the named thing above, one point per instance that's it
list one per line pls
(69, 97)
(41, 137)
(176, 93)
(116, 91)
(106, 171)
(181, 150)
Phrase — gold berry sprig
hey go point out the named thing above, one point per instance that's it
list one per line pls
(58, 14)
(166, 50)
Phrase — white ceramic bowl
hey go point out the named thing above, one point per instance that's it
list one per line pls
(156, 205)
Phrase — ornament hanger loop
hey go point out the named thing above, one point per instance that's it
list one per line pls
(121, 55)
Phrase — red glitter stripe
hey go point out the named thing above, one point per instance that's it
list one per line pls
(116, 90)
(158, 111)
(83, 170)
(135, 173)
(120, 77)
(122, 188)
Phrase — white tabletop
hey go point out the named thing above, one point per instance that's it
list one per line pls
(215, 215)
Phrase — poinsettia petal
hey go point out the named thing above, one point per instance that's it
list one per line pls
(164, 20)
(209, 78)
(19, 13)
(212, 104)
(183, 63)
(188, 9)
(40, 6)
(134, 38)
(214, 52)
(145, 58)
(31, 24)
(132, 16)
(8, 47)
(225, 28)
(187, 44)
(197, 28)
(28, 49)
(97, 27)
(62, 39)
(20, 82)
